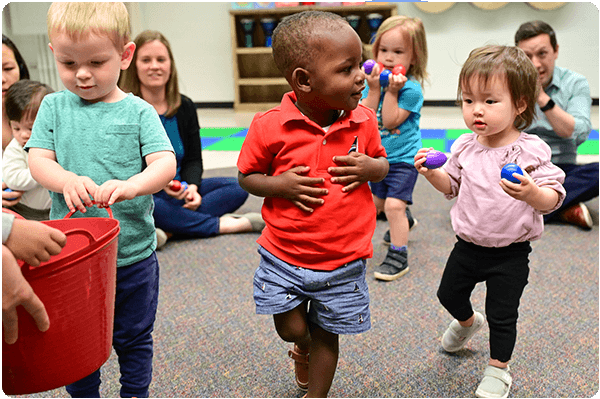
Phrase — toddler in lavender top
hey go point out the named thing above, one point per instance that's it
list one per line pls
(494, 219)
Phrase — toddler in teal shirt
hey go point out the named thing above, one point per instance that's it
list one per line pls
(92, 143)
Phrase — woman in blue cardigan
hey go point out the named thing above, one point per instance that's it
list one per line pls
(203, 209)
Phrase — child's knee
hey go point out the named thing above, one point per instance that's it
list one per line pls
(291, 329)
(395, 205)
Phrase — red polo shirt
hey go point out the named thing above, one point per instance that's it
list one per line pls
(340, 230)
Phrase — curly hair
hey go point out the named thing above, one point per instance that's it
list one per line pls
(296, 38)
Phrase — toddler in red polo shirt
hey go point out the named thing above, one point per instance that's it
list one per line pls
(310, 157)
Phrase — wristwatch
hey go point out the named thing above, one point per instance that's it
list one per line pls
(549, 105)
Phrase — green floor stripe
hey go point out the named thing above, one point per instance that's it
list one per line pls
(436, 144)
(219, 131)
(227, 144)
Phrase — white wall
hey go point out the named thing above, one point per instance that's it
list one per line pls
(200, 36)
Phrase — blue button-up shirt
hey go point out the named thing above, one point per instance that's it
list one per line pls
(571, 92)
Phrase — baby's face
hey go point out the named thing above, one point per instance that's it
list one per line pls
(88, 67)
(22, 130)
(336, 78)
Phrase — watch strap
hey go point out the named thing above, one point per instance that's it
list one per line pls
(549, 105)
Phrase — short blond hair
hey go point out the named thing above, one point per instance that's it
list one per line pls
(416, 31)
(79, 19)
(510, 64)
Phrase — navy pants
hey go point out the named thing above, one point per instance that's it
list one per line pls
(135, 311)
(505, 272)
(220, 195)
(581, 184)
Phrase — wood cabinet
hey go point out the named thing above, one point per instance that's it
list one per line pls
(258, 83)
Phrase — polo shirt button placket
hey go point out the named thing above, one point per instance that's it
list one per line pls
(324, 141)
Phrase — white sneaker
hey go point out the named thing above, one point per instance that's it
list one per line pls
(495, 384)
(456, 336)
(161, 238)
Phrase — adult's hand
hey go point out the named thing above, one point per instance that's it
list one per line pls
(16, 291)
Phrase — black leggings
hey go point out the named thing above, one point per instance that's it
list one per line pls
(505, 271)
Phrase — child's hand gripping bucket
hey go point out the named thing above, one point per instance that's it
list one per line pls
(77, 287)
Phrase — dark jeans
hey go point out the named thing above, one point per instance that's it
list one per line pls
(505, 272)
(135, 311)
(581, 184)
(220, 195)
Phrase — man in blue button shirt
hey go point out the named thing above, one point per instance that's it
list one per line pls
(562, 120)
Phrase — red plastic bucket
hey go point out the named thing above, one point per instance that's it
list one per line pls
(77, 288)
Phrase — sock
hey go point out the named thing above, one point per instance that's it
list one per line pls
(403, 248)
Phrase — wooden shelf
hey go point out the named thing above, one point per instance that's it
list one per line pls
(258, 83)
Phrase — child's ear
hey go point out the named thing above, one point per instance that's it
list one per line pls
(301, 80)
(521, 106)
(127, 55)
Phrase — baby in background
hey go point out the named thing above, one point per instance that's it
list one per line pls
(22, 102)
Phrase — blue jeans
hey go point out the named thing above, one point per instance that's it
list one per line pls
(220, 195)
(135, 311)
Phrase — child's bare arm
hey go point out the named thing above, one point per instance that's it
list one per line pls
(291, 185)
(358, 168)
(393, 116)
(438, 178)
(46, 171)
(540, 198)
(160, 171)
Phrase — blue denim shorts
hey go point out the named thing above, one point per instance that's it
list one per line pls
(399, 183)
(339, 299)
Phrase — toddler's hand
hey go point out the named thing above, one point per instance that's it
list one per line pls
(34, 242)
(356, 169)
(396, 83)
(524, 191)
(300, 189)
(420, 159)
(373, 78)
(79, 189)
(113, 191)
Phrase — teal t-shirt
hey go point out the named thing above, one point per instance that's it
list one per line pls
(402, 143)
(104, 141)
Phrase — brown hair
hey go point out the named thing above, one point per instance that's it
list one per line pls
(130, 81)
(514, 66)
(23, 99)
(416, 31)
(533, 29)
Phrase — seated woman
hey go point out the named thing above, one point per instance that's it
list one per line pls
(203, 209)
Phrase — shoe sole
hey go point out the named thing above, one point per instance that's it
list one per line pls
(588, 218)
(388, 277)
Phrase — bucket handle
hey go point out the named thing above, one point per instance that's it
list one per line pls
(110, 213)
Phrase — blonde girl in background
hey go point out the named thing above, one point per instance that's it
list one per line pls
(399, 40)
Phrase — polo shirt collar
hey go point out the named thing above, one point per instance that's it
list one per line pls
(289, 112)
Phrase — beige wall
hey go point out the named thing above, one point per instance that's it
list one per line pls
(199, 34)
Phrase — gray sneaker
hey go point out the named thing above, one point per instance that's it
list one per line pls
(394, 265)
(456, 336)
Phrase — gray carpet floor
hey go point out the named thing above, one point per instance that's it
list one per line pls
(210, 343)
